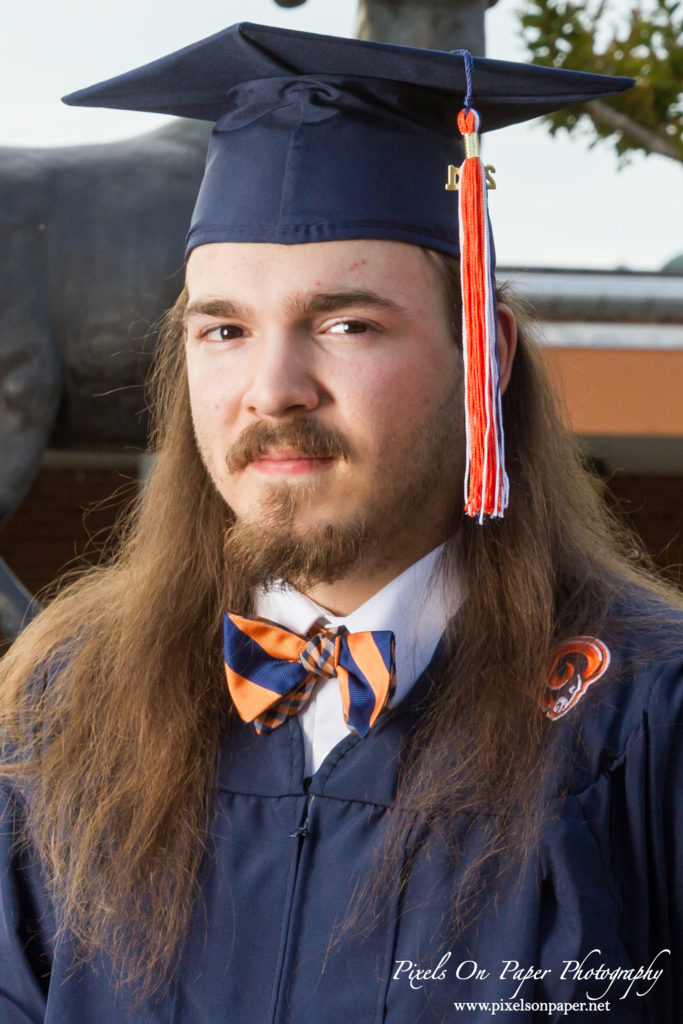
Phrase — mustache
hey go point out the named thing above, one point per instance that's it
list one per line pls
(310, 437)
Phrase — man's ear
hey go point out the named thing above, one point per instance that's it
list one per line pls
(507, 343)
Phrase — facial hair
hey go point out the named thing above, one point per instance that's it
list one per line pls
(270, 547)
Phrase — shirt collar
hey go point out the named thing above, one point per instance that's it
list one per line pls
(415, 606)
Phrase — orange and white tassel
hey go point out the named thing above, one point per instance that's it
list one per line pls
(486, 482)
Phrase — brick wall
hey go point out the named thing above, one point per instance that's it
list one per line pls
(67, 514)
(653, 506)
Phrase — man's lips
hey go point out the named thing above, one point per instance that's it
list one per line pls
(290, 461)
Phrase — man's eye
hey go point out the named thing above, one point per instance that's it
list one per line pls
(224, 332)
(349, 327)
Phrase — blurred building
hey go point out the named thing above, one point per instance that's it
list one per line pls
(614, 343)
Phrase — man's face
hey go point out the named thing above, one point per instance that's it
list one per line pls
(326, 392)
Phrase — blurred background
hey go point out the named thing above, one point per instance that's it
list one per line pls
(94, 206)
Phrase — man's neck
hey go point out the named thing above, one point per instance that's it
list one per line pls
(345, 595)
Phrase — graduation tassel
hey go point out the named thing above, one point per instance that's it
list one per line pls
(486, 483)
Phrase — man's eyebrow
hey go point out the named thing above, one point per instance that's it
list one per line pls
(216, 307)
(300, 305)
(330, 302)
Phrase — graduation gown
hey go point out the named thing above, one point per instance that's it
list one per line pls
(590, 926)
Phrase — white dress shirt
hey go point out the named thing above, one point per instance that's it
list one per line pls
(414, 606)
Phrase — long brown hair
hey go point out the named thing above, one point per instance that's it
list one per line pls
(113, 701)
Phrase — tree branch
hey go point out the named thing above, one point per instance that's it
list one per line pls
(607, 117)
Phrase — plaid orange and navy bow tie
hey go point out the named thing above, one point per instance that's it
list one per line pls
(271, 672)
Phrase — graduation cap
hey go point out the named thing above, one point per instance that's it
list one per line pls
(318, 138)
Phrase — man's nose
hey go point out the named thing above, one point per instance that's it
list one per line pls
(281, 377)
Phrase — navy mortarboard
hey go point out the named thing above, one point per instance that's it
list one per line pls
(319, 138)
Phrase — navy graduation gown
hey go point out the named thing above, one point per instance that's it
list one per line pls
(599, 902)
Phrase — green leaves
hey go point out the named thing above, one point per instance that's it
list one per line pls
(582, 35)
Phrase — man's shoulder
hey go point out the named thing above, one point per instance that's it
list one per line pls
(645, 677)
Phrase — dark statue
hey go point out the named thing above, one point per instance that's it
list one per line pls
(92, 238)
(92, 241)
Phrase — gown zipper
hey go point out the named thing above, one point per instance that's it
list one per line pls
(299, 834)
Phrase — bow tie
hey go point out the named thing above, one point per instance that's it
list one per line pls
(271, 672)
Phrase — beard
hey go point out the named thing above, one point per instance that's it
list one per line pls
(276, 550)
(272, 547)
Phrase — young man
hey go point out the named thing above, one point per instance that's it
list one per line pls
(441, 782)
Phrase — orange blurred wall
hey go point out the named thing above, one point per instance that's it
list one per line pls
(620, 391)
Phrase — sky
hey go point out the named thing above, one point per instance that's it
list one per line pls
(557, 203)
